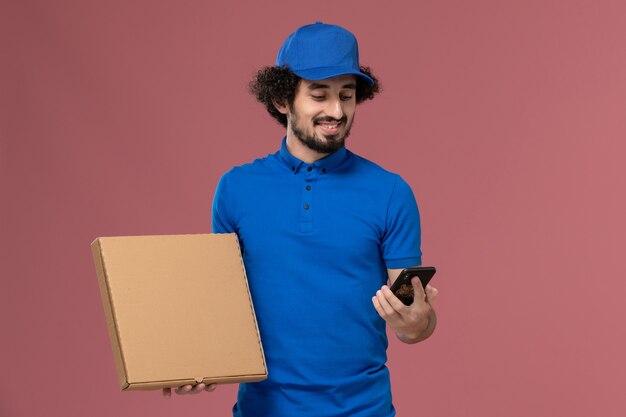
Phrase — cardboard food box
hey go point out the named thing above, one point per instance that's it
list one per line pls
(178, 310)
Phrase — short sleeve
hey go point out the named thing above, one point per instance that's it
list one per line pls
(402, 238)
(221, 218)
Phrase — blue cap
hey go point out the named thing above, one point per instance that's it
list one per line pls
(320, 51)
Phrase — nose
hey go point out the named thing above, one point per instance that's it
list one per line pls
(335, 109)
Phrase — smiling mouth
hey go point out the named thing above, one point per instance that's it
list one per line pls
(328, 125)
(330, 130)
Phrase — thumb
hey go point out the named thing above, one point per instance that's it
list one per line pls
(167, 392)
(418, 290)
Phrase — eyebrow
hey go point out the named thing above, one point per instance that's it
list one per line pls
(315, 86)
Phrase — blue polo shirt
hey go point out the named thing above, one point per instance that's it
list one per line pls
(316, 241)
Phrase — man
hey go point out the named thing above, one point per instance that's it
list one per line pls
(321, 231)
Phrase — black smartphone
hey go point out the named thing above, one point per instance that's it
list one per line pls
(402, 287)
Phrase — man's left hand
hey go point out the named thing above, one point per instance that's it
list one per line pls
(412, 323)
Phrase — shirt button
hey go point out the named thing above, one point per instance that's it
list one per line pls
(309, 169)
(324, 170)
(308, 188)
(293, 168)
(306, 206)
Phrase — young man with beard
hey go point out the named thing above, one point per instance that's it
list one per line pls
(322, 230)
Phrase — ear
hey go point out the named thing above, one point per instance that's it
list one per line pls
(281, 107)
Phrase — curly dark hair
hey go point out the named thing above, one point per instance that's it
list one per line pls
(279, 84)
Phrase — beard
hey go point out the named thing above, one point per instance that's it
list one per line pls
(311, 141)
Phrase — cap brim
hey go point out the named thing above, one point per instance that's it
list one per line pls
(316, 74)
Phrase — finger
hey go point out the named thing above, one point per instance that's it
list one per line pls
(184, 389)
(384, 304)
(198, 388)
(211, 387)
(377, 306)
(431, 294)
(167, 392)
(394, 301)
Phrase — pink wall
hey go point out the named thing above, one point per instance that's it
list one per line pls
(506, 117)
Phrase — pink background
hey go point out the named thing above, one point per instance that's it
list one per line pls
(506, 117)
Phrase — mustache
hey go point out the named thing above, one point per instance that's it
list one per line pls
(344, 119)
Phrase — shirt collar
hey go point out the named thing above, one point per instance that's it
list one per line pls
(327, 163)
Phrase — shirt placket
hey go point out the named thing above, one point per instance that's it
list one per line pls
(307, 206)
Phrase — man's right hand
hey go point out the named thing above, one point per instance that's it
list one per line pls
(189, 389)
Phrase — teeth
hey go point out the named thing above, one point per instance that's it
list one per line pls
(330, 126)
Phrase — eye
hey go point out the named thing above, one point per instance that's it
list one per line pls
(318, 98)
(346, 98)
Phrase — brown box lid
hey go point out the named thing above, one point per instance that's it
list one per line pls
(178, 310)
